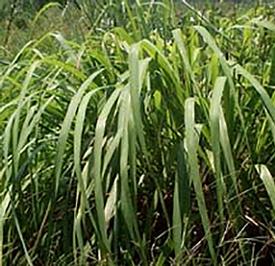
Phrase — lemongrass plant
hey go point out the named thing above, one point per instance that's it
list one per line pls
(141, 145)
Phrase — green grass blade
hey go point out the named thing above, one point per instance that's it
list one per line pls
(181, 200)
(28, 258)
(260, 90)
(268, 183)
(67, 125)
(98, 153)
(192, 141)
(215, 140)
(227, 150)
(79, 125)
(229, 91)
(137, 72)
(4, 214)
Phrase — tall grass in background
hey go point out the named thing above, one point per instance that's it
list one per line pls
(149, 140)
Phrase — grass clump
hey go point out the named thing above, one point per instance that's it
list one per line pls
(145, 141)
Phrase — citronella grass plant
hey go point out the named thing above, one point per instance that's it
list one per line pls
(145, 142)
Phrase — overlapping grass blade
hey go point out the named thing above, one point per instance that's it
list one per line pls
(229, 98)
(98, 150)
(181, 200)
(82, 183)
(215, 140)
(260, 90)
(67, 125)
(268, 183)
(192, 141)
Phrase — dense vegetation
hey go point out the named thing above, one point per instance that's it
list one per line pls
(137, 134)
